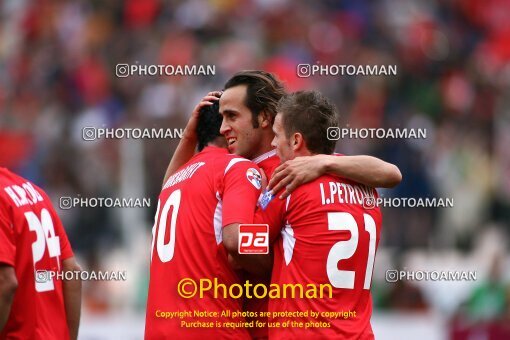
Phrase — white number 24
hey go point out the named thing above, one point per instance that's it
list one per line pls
(45, 238)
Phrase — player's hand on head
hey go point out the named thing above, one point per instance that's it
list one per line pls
(208, 100)
(293, 173)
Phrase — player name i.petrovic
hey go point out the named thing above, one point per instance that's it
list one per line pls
(346, 193)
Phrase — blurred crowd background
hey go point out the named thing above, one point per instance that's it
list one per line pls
(57, 75)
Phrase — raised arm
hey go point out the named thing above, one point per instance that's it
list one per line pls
(186, 148)
(367, 170)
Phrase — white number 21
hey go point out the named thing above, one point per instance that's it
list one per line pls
(343, 250)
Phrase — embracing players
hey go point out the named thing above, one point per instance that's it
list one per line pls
(249, 106)
(33, 244)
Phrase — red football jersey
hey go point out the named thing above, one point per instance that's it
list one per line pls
(214, 189)
(330, 234)
(32, 240)
(268, 162)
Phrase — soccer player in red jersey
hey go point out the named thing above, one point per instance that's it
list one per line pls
(33, 243)
(248, 106)
(330, 233)
(199, 211)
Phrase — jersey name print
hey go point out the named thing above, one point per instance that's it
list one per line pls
(33, 241)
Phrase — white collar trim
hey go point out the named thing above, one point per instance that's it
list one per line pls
(264, 156)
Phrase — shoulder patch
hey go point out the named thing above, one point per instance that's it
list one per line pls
(253, 175)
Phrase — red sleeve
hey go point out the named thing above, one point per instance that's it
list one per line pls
(273, 215)
(7, 244)
(241, 189)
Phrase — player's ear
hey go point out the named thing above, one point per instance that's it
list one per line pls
(297, 141)
(264, 119)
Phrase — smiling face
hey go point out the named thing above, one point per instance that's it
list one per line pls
(237, 127)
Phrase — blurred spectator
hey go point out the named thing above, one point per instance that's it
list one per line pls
(486, 313)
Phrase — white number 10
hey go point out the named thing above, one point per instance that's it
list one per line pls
(166, 250)
(343, 250)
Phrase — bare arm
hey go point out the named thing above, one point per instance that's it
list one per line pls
(367, 170)
(186, 148)
(256, 264)
(72, 298)
(8, 286)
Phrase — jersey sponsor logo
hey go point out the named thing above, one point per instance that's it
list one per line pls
(253, 239)
(254, 177)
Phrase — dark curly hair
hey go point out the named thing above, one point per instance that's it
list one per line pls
(209, 123)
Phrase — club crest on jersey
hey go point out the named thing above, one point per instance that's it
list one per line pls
(254, 177)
